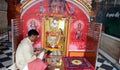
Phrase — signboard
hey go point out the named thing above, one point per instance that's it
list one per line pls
(112, 21)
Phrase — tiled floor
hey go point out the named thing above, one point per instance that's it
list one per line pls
(104, 64)
(6, 58)
(5, 54)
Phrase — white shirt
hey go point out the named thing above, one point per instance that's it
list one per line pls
(24, 53)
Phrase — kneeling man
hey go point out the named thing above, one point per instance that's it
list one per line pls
(25, 51)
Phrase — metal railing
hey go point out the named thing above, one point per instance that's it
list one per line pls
(16, 32)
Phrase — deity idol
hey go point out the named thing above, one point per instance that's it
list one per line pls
(55, 35)
(52, 36)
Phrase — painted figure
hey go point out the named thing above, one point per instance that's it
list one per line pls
(32, 25)
(78, 32)
(57, 6)
(61, 39)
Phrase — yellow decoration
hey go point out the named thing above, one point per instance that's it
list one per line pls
(76, 62)
(53, 49)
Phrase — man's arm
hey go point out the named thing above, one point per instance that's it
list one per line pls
(28, 54)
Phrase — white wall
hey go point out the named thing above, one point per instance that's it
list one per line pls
(110, 45)
(3, 15)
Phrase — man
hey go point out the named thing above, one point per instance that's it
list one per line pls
(25, 51)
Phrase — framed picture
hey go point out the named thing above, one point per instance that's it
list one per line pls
(55, 33)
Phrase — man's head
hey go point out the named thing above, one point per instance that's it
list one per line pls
(33, 35)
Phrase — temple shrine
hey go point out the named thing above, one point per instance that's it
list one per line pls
(65, 28)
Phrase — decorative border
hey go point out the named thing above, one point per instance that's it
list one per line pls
(80, 4)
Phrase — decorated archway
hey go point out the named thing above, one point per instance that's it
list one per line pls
(33, 13)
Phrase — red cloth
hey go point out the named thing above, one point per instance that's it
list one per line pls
(37, 64)
(84, 66)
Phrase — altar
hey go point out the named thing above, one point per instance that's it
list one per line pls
(69, 63)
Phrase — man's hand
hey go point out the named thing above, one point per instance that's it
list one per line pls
(37, 52)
